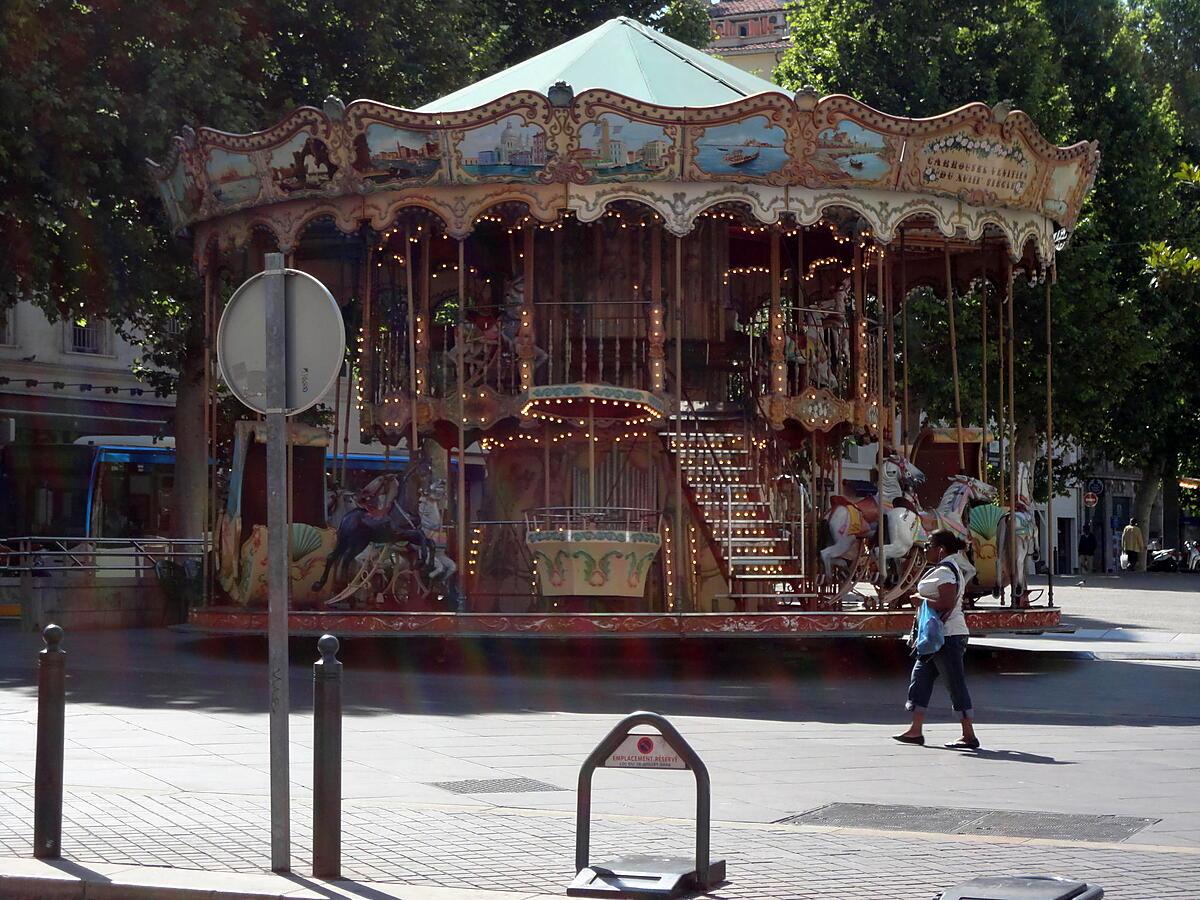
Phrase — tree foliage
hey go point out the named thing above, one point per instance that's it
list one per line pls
(89, 89)
(1123, 74)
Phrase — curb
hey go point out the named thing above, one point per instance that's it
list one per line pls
(35, 879)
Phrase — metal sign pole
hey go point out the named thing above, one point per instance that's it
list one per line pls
(277, 556)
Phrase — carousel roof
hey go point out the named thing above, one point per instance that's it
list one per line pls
(648, 120)
(622, 56)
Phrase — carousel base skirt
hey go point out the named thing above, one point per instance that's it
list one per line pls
(233, 620)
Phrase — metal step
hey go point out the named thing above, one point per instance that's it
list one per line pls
(764, 559)
(776, 577)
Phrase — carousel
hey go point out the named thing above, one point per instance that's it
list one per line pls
(615, 314)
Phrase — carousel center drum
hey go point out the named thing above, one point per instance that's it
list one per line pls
(593, 551)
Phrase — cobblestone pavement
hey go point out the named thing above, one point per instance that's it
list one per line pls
(532, 850)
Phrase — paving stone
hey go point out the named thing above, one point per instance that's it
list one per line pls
(532, 851)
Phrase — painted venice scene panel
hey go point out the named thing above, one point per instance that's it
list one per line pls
(302, 164)
(232, 177)
(506, 148)
(751, 146)
(384, 154)
(614, 147)
(850, 152)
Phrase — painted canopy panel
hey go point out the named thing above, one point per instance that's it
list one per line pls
(984, 159)
(622, 56)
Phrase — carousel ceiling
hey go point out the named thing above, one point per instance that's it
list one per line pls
(675, 130)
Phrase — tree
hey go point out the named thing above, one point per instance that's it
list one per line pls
(90, 91)
(1081, 70)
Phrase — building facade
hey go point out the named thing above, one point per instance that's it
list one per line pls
(60, 381)
(750, 34)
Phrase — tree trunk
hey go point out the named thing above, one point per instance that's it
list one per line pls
(191, 453)
(1170, 489)
(1143, 502)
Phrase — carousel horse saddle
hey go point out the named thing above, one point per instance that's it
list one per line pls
(864, 513)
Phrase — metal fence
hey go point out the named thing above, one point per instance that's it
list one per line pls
(41, 554)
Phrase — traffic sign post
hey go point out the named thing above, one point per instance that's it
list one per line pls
(279, 349)
(277, 558)
(642, 875)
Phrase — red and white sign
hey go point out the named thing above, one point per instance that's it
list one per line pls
(1090, 499)
(644, 751)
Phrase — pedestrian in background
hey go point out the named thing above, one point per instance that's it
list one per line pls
(943, 587)
(1133, 542)
(1087, 554)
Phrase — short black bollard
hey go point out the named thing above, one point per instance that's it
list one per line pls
(51, 733)
(327, 761)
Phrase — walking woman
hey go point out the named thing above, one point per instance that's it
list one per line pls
(942, 587)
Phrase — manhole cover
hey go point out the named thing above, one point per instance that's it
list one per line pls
(495, 786)
(951, 820)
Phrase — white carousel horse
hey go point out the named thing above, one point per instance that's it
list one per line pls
(953, 509)
(851, 521)
(442, 568)
(1027, 541)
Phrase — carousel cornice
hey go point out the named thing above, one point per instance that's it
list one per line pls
(797, 156)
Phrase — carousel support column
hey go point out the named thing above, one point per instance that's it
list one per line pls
(368, 395)
(904, 341)
(278, 561)
(423, 320)
(555, 313)
(525, 341)
(890, 392)
(1050, 521)
(958, 426)
(859, 339)
(677, 303)
(880, 429)
(460, 525)
(778, 366)
(1014, 483)
(657, 331)
(414, 371)
(592, 456)
(210, 421)
(1001, 393)
(983, 354)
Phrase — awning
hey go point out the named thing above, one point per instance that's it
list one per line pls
(85, 415)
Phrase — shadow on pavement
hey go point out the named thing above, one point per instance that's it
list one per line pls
(835, 681)
(1010, 756)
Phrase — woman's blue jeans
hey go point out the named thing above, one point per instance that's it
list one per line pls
(947, 662)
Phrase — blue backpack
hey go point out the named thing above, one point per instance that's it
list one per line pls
(928, 633)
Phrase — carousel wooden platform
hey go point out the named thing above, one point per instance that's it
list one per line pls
(833, 624)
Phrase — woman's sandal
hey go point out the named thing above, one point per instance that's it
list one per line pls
(963, 744)
(918, 741)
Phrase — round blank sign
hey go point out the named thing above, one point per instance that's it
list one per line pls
(316, 341)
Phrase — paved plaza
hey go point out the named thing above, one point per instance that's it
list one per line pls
(166, 761)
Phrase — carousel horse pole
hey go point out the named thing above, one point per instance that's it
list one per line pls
(1050, 530)
(983, 363)
(958, 426)
(1014, 484)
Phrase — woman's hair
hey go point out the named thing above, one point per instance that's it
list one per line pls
(947, 540)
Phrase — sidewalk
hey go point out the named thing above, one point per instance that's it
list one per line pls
(450, 852)
(1107, 643)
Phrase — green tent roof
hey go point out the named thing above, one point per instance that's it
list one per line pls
(622, 56)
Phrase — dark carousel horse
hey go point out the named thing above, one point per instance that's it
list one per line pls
(360, 527)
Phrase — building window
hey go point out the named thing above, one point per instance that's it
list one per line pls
(8, 327)
(743, 31)
(88, 336)
(774, 20)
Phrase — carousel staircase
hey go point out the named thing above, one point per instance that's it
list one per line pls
(719, 472)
